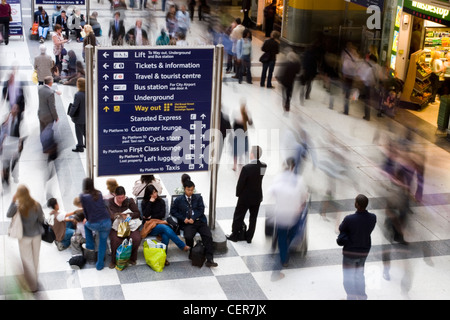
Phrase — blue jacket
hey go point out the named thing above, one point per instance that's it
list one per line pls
(180, 208)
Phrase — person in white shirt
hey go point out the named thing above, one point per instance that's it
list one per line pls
(63, 232)
(370, 75)
(290, 194)
(184, 21)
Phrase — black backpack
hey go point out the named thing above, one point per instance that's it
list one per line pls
(197, 254)
(77, 262)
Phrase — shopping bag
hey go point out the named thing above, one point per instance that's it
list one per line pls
(123, 230)
(34, 77)
(155, 255)
(15, 227)
(123, 254)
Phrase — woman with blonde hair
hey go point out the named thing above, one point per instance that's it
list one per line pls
(32, 218)
(89, 38)
(111, 185)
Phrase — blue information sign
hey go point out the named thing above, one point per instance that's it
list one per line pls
(154, 109)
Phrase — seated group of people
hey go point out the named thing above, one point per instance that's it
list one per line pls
(73, 22)
(102, 214)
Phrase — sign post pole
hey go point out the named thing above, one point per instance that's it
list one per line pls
(89, 52)
(215, 121)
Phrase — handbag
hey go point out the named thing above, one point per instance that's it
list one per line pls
(34, 77)
(49, 234)
(265, 57)
(173, 223)
(15, 229)
(72, 110)
(63, 52)
(124, 230)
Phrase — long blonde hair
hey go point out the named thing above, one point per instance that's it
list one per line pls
(26, 202)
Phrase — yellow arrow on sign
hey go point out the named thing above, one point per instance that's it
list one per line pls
(106, 109)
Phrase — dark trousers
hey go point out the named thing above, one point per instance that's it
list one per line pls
(117, 241)
(202, 228)
(287, 95)
(239, 215)
(267, 66)
(5, 22)
(80, 131)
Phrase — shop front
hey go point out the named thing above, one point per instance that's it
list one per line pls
(421, 45)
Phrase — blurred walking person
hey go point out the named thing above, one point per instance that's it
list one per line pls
(308, 72)
(286, 76)
(349, 59)
(32, 217)
(356, 229)
(290, 194)
(240, 141)
(11, 145)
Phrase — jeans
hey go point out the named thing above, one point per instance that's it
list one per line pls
(245, 68)
(354, 280)
(167, 234)
(67, 236)
(270, 66)
(102, 228)
(285, 236)
(43, 31)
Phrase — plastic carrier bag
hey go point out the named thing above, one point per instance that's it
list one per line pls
(123, 254)
(155, 254)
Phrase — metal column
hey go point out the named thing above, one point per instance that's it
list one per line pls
(89, 53)
(215, 124)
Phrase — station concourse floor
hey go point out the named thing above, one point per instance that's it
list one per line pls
(244, 271)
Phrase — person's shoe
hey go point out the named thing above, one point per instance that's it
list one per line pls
(112, 265)
(167, 263)
(77, 149)
(232, 237)
(211, 263)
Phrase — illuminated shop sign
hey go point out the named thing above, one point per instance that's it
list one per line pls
(427, 11)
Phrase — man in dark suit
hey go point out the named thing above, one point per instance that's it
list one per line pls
(250, 195)
(62, 21)
(117, 30)
(189, 209)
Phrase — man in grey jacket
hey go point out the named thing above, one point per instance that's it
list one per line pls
(43, 64)
(47, 108)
